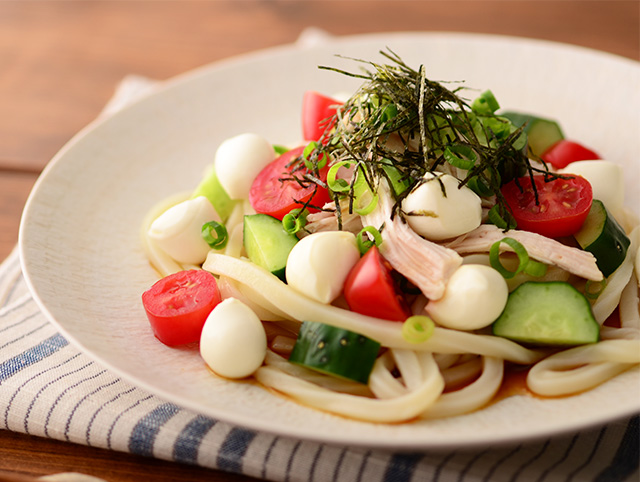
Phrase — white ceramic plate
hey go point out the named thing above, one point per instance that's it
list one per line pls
(83, 261)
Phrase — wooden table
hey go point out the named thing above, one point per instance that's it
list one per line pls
(60, 62)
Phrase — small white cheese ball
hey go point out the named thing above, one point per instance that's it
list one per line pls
(474, 298)
(239, 160)
(178, 231)
(233, 342)
(318, 264)
(437, 217)
(606, 179)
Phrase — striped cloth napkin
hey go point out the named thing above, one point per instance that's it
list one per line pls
(49, 388)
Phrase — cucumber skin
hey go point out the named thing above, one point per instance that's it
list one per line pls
(610, 246)
(335, 351)
(542, 133)
(267, 243)
(211, 188)
(534, 302)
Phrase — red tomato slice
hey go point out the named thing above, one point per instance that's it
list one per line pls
(563, 204)
(316, 111)
(564, 152)
(178, 305)
(269, 195)
(370, 289)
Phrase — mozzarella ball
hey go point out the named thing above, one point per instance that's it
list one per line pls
(474, 298)
(606, 179)
(435, 216)
(233, 342)
(318, 264)
(178, 231)
(239, 160)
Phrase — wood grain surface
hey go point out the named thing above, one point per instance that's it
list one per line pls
(61, 60)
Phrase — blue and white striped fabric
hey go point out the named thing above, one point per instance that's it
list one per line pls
(49, 389)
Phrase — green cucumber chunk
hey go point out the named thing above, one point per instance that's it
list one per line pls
(267, 243)
(547, 313)
(334, 351)
(541, 133)
(211, 188)
(602, 236)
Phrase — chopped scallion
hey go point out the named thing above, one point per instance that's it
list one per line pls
(417, 329)
(590, 292)
(525, 264)
(460, 156)
(279, 150)
(485, 103)
(365, 199)
(215, 234)
(294, 220)
(364, 242)
(338, 185)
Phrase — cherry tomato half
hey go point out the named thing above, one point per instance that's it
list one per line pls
(178, 305)
(563, 204)
(317, 109)
(275, 197)
(564, 152)
(370, 289)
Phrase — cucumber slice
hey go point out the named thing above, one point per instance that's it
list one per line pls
(541, 133)
(211, 188)
(604, 237)
(267, 243)
(334, 351)
(547, 313)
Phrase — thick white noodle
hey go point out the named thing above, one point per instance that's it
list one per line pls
(326, 381)
(387, 333)
(229, 288)
(400, 409)
(382, 383)
(628, 308)
(461, 373)
(584, 367)
(161, 261)
(473, 396)
(610, 296)
(234, 226)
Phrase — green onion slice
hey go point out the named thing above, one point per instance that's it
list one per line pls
(460, 156)
(526, 265)
(485, 103)
(496, 218)
(417, 329)
(363, 194)
(306, 156)
(590, 292)
(364, 242)
(337, 185)
(480, 186)
(295, 220)
(215, 234)
(279, 150)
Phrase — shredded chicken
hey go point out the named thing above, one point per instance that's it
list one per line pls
(547, 250)
(426, 264)
(328, 220)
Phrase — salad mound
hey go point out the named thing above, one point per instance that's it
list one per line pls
(396, 263)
